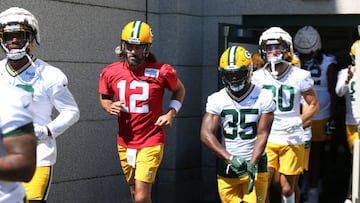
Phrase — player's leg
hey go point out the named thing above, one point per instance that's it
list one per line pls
(231, 190)
(261, 186)
(129, 171)
(291, 166)
(142, 192)
(260, 189)
(303, 176)
(148, 160)
(272, 152)
(37, 189)
(288, 187)
(351, 135)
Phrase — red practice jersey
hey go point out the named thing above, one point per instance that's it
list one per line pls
(142, 92)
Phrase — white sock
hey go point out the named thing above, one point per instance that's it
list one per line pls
(289, 199)
(348, 201)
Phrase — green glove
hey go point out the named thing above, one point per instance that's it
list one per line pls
(238, 165)
(251, 170)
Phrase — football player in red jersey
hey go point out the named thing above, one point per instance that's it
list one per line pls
(132, 89)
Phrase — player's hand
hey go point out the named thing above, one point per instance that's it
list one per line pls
(292, 124)
(165, 121)
(116, 108)
(238, 165)
(41, 132)
(351, 71)
(251, 170)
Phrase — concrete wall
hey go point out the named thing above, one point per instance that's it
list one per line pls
(79, 36)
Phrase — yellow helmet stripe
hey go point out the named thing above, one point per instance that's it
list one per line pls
(232, 56)
(135, 33)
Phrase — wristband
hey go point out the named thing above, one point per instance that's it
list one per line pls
(175, 104)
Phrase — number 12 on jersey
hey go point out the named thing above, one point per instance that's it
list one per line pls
(132, 104)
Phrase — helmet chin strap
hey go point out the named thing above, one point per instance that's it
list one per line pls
(273, 62)
(31, 61)
(274, 73)
(15, 54)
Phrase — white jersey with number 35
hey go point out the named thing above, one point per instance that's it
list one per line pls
(239, 120)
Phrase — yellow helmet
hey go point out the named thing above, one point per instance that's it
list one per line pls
(353, 51)
(235, 68)
(137, 32)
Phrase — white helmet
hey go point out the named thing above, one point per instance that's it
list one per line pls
(307, 40)
(17, 19)
(275, 36)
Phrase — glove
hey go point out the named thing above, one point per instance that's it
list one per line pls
(251, 170)
(292, 124)
(238, 165)
(41, 132)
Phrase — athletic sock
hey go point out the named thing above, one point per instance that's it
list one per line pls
(348, 201)
(289, 199)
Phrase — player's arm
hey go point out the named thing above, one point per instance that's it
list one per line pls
(312, 106)
(177, 98)
(20, 162)
(109, 105)
(178, 95)
(105, 102)
(65, 104)
(209, 125)
(264, 127)
(343, 79)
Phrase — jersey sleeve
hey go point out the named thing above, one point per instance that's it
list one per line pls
(341, 88)
(169, 74)
(60, 83)
(103, 85)
(64, 102)
(212, 105)
(307, 83)
(268, 101)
